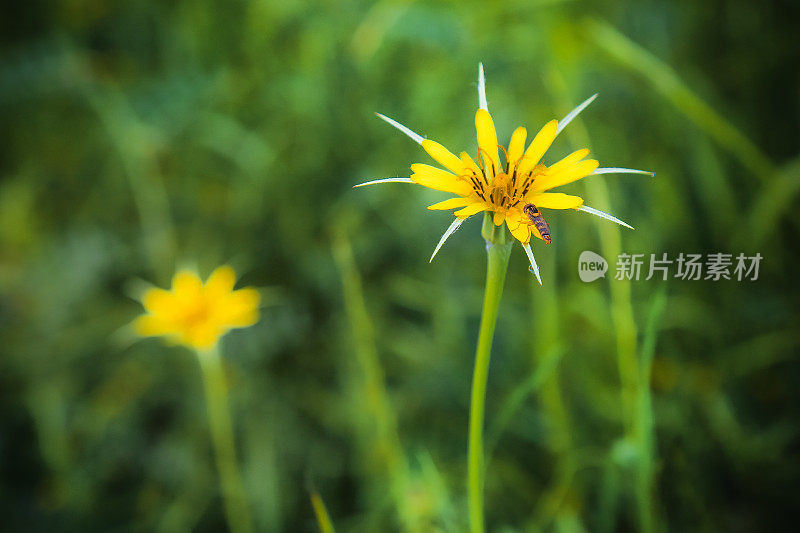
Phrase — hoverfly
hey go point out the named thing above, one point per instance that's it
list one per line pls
(538, 220)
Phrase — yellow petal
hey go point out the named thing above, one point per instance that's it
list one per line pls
(187, 290)
(568, 161)
(443, 156)
(158, 301)
(471, 210)
(186, 283)
(499, 217)
(202, 338)
(239, 309)
(151, 325)
(438, 179)
(555, 200)
(221, 281)
(452, 203)
(516, 147)
(538, 147)
(514, 217)
(573, 173)
(245, 319)
(521, 232)
(470, 165)
(487, 142)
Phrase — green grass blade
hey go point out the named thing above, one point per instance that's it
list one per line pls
(321, 512)
(516, 398)
(381, 433)
(646, 441)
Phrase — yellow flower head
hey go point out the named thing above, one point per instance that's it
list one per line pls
(512, 183)
(197, 314)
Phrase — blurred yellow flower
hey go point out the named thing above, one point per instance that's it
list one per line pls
(513, 187)
(197, 314)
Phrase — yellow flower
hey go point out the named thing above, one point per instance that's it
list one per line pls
(197, 314)
(512, 185)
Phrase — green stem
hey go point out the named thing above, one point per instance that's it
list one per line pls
(498, 251)
(237, 511)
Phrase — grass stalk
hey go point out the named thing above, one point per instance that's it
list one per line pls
(621, 306)
(321, 513)
(548, 351)
(645, 479)
(380, 433)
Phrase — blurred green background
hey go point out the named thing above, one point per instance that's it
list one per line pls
(141, 136)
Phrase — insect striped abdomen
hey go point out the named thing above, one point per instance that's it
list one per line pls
(538, 221)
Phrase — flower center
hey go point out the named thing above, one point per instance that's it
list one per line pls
(196, 314)
(507, 189)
